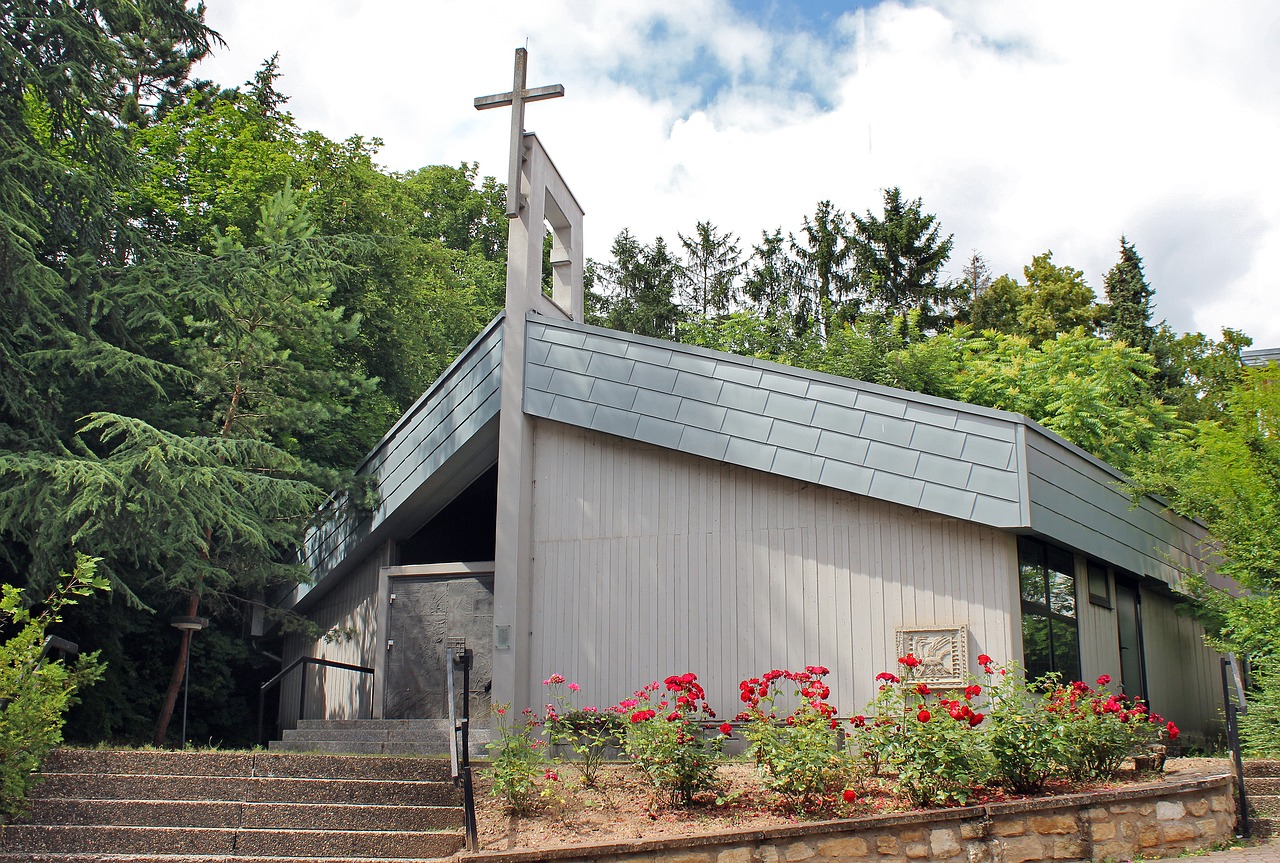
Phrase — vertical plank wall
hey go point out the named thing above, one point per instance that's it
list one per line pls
(1184, 680)
(349, 614)
(649, 562)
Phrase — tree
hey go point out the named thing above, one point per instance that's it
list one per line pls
(996, 307)
(899, 260)
(1095, 393)
(1227, 474)
(825, 255)
(713, 263)
(1128, 316)
(1058, 300)
(975, 276)
(641, 287)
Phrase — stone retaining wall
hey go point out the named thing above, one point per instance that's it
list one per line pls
(1159, 819)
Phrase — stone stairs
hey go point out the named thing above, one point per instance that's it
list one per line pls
(376, 737)
(103, 806)
(1262, 787)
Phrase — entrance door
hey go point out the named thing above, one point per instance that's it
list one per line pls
(426, 615)
(1133, 674)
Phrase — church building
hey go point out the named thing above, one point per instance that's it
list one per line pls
(570, 499)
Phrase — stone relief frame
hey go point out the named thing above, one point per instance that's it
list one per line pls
(943, 652)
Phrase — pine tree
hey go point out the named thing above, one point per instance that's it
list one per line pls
(713, 264)
(642, 285)
(826, 255)
(1128, 316)
(899, 261)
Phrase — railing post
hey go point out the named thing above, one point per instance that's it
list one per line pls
(302, 694)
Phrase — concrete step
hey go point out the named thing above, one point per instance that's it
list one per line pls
(1261, 767)
(1261, 785)
(1265, 828)
(37, 839)
(230, 815)
(88, 786)
(246, 765)
(1265, 805)
(422, 737)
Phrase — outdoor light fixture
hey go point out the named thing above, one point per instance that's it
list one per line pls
(190, 625)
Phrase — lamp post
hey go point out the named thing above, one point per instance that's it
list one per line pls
(189, 626)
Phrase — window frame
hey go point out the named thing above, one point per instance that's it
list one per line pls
(1043, 607)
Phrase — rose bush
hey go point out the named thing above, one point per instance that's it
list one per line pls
(665, 740)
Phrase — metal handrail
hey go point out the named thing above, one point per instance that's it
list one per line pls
(302, 700)
(455, 657)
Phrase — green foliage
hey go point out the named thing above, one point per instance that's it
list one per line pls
(518, 758)
(1260, 726)
(1055, 299)
(799, 754)
(713, 263)
(936, 753)
(665, 739)
(640, 286)
(1095, 393)
(1128, 314)
(899, 260)
(1227, 474)
(1026, 739)
(35, 692)
(589, 732)
(825, 258)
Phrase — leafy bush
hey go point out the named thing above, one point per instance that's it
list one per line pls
(933, 745)
(799, 755)
(665, 739)
(1103, 728)
(588, 731)
(518, 758)
(34, 692)
(1026, 739)
(1260, 727)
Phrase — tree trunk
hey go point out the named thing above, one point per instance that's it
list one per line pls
(175, 679)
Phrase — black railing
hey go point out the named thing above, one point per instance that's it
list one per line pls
(1235, 706)
(302, 692)
(459, 739)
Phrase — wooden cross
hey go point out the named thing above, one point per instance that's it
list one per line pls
(516, 99)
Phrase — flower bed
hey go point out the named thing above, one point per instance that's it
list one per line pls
(1000, 734)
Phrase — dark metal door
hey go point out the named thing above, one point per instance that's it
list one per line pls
(426, 615)
(1133, 672)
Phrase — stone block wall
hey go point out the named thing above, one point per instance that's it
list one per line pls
(1160, 819)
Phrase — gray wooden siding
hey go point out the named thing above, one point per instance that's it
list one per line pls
(447, 416)
(349, 615)
(1099, 636)
(649, 562)
(1184, 681)
(1078, 501)
(949, 458)
(945, 457)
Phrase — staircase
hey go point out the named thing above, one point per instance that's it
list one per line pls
(101, 806)
(377, 737)
(1262, 787)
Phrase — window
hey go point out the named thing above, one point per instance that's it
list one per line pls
(1099, 584)
(1050, 634)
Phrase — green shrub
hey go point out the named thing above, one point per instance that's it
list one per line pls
(35, 693)
(588, 731)
(665, 739)
(518, 758)
(1026, 739)
(1260, 727)
(799, 755)
(930, 740)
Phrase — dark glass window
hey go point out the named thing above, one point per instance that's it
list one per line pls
(1050, 634)
(1099, 585)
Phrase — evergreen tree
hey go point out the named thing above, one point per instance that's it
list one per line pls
(713, 264)
(642, 285)
(1128, 317)
(996, 307)
(826, 256)
(772, 284)
(975, 277)
(899, 260)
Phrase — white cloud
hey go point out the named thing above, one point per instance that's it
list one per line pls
(1023, 126)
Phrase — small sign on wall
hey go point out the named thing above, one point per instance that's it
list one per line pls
(943, 652)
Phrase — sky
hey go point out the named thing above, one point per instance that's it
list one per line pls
(1024, 126)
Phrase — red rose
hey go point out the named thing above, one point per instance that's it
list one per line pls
(972, 691)
(922, 689)
(849, 795)
(975, 719)
(924, 715)
(910, 660)
(1172, 729)
(1104, 679)
(726, 729)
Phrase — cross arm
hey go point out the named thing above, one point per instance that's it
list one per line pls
(536, 94)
